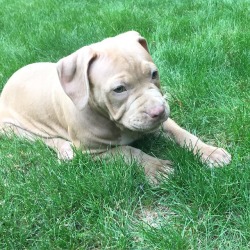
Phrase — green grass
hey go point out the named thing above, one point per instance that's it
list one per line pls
(202, 49)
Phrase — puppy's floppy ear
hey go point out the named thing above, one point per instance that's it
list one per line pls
(143, 43)
(139, 38)
(73, 75)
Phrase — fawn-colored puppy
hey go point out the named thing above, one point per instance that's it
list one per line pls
(101, 98)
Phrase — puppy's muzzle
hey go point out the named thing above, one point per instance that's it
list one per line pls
(156, 112)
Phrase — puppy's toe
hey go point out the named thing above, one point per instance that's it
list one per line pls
(65, 152)
(216, 157)
(166, 167)
(158, 169)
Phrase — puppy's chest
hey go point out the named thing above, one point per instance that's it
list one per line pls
(108, 136)
(98, 144)
(128, 138)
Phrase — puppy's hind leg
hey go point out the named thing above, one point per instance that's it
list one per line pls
(10, 126)
(62, 147)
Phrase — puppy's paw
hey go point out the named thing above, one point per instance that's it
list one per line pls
(215, 157)
(65, 152)
(157, 168)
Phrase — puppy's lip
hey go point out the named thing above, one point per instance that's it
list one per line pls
(165, 118)
(145, 129)
(151, 128)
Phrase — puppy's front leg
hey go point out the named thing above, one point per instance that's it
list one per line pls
(152, 166)
(213, 156)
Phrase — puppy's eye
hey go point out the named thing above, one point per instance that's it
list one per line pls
(120, 89)
(154, 74)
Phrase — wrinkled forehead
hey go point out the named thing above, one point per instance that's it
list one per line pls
(123, 58)
(123, 48)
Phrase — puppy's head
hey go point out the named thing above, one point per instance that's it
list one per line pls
(118, 79)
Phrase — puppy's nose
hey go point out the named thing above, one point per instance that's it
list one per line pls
(156, 111)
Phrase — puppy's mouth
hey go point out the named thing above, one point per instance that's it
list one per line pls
(144, 117)
(147, 125)
(144, 129)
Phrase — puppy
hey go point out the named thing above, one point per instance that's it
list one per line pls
(101, 98)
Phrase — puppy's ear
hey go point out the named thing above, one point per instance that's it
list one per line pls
(73, 75)
(135, 35)
(143, 43)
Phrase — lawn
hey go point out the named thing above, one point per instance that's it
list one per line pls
(202, 50)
